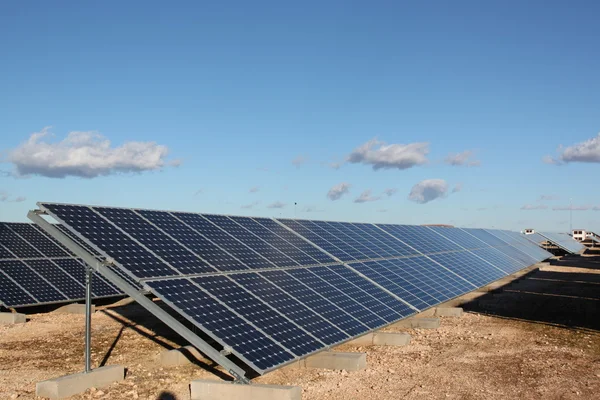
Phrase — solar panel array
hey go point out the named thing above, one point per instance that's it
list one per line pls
(274, 291)
(536, 238)
(564, 241)
(35, 269)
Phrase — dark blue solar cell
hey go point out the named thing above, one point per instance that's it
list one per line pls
(333, 236)
(225, 326)
(352, 237)
(459, 237)
(395, 284)
(317, 240)
(384, 240)
(470, 267)
(485, 236)
(276, 241)
(499, 259)
(107, 237)
(337, 296)
(4, 253)
(78, 240)
(31, 281)
(294, 310)
(420, 238)
(11, 295)
(156, 241)
(237, 249)
(523, 246)
(68, 285)
(316, 302)
(398, 308)
(76, 269)
(253, 242)
(194, 241)
(16, 245)
(298, 242)
(37, 240)
(270, 321)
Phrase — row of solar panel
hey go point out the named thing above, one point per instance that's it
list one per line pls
(151, 244)
(35, 269)
(274, 291)
(564, 241)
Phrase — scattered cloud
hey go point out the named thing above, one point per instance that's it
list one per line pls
(277, 204)
(457, 188)
(428, 190)
(596, 208)
(309, 209)
(380, 155)
(251, 205)
(254, 189)
(390, 192)
(366, 197)
(534, 207)
(462, 159)
(85, 155)
(548, 197)
(5, 197)
(335, 165)
(337, 191)
(572, 208)
(382, 210)
(299, 161)
(482, 208)
(587, 151)
(199, 192)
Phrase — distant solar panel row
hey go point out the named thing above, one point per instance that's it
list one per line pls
(35, 269)
(564, 241)
(277, 290)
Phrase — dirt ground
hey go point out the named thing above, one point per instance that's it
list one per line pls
(539, 337)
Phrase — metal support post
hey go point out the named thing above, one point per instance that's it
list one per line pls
(88, 320)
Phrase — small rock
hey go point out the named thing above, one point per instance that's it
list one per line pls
(99, 393)
(391, 371)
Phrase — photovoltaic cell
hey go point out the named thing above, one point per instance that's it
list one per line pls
(420, 238)
(31, 282)
(15, 244)
(4, 253)
(57, 277)
(470, 267)
(11, 294)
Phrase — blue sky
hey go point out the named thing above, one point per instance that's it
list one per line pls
(237, 91)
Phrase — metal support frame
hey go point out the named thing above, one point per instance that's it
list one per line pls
(88, 319)
(102, 268)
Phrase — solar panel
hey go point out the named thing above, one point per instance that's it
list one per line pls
(35, 269)
(272, 291)
(564, 241)
(535, 238)
(593, 239)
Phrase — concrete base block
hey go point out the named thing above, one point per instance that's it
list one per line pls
(203, 389)
(181, 356)
(333, 360)
(418, 323)
(382, 339)
(73, 309)
(448, 312)
(69, 385)
(12, 318)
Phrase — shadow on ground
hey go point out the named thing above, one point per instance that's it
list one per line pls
(567, 296)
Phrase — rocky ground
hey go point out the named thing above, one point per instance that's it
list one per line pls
(539, 338)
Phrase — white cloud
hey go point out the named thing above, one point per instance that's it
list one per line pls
(86, 155)
(309, 209)
(366, 197)
(382, 210)
(587, 151)
(390, 192)
(534, 207)
(387, 156)
(596, 208)
(254, 189)
(462, 159)
(337, 191)
(277, 204)
(5, 197)
(199, 192)
(428, 190)
(572, 208)
(299, 160)
(457, 188)
(251, 205)
(335, 165)
(548, 197)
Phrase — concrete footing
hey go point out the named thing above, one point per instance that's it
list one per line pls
(12, 318)
(448, 312)
(203, 389)
(73, 309)
(382, 339)
(182, 356)
(418, 323)
(334, 360)
(69, 385)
